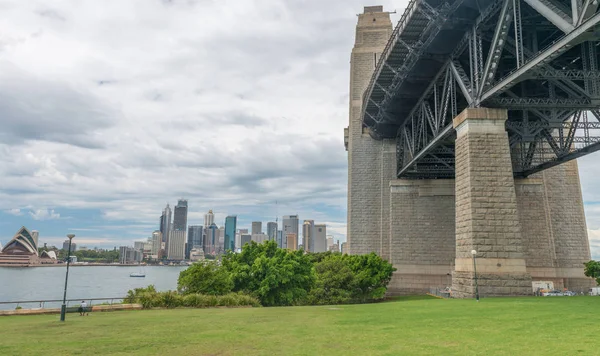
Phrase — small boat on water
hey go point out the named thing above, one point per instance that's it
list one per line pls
(137, 274)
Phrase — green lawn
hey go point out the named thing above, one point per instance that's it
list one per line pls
(406, 326)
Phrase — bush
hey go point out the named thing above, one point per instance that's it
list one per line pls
(371, 276)
(334, 284)
(275, 276)
(150, 298)
(204, 278)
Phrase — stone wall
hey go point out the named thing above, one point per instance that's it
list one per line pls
(369, 161)
(422, 234)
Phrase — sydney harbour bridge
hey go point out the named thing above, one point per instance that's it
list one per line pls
(532, 67)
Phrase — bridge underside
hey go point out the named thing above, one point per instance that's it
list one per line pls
(535, 58)
(463, 138)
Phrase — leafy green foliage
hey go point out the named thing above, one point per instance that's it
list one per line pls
(275, 276)
(334, 283)
(150, 298)
(592, 269)
(205, 278)
(371, 276)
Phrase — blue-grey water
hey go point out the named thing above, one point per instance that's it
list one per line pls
(43, 283)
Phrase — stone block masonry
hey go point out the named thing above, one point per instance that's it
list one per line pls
(371, 163)
(486, 208)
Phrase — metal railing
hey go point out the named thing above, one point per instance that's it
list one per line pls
(50, 303)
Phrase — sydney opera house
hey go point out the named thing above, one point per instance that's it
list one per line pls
(22, 250)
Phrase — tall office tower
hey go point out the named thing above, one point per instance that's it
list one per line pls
(343, 248)
(320, 238)
(194, 239)
(279, 238)
(291, 241)
(256, 227)
(180, 215)
(244, 239)
(156, 241)
(165, 225)
(230, 227)
(290, 226)
(221, 239)
(209, 219)
(176, 247)
(211, 239)
(272, 230)
(308, 235)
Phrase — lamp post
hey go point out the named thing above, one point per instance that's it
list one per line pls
(474, 253)
(63, 308)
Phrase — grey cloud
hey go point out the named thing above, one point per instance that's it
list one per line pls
(35, 109)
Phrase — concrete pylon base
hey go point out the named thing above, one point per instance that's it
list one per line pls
(490, 284)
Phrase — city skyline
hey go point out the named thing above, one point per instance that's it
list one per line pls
(138, 120)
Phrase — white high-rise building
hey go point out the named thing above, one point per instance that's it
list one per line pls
(320, 238)
(290, 226)
(329, 242)
(176, 247)
(209, 219)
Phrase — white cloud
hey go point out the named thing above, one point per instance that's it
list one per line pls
(44, 214)
(15, 212)
(594, 236)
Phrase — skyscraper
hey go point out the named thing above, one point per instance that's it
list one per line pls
(308, 235)
(176, 247)
(279, 238)
(290, 226)
(156, 241)
(180, 215)
(194, 239)
(165, 225)
(320, 238)
(256, 227)
(244, 239)
(230, 227)
(211, 239)
(292, 241)
(272, 230)
(209, 219)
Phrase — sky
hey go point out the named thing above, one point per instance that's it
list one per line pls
(112, 109)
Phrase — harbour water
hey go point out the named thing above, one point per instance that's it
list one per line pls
(43, 283)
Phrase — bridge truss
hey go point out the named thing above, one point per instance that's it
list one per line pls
(536, 58)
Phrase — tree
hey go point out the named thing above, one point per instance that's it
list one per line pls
(275, 276)
(205, 278)
(334, 283)
(592, 269)
(371, 276)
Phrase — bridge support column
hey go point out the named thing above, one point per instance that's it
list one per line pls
(486, 209)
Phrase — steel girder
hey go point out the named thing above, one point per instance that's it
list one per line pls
(536, 58)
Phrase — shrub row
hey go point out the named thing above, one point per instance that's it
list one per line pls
(150, 298)
(276, 276)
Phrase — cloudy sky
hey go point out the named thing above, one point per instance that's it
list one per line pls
(112, 109)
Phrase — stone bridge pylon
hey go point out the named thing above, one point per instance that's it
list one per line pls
(491, 174)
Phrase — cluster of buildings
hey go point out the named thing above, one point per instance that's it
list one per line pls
(176, 241)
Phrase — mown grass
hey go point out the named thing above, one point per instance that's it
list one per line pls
(403, 326)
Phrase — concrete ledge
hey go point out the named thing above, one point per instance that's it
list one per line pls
(483, 114)
(425, 187)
